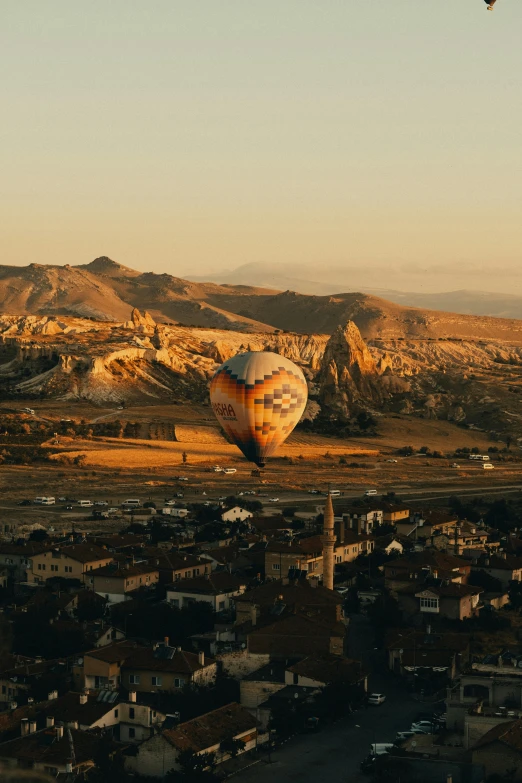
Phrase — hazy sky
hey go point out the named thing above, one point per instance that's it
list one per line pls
(193, 135)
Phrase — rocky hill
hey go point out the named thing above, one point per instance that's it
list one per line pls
(108, 291)
(477, 382)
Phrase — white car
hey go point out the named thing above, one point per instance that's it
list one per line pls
(273, 500)
(170, 502)
(376, 698)
(391, 460)
(217, 469)
(182, 478)
(455, 465)
(100, 503)
(229, 470)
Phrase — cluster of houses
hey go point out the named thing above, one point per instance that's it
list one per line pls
(279, 632)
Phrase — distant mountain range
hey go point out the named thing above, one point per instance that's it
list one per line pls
(334, 280)
(108, 291)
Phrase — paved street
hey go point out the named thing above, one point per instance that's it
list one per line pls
(337, 750)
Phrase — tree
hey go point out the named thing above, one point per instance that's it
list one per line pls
(232, 747)
(38, 535)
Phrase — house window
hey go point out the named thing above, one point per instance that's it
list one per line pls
(221, 606)
(174, 602)
(54, 568)
(187, 574)
(196, 572)
(178, 683)
(134, 679)
(156, 681)
(68, 569)
(429, 604)
(115, 713)
(132, 733)
(132, 713)
(276, 566)
(177, 576)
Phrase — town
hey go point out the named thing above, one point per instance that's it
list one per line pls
(235, 637)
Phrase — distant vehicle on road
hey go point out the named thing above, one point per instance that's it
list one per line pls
(25, 503)
(335, 493)
(273, 500)
(455, 465)
(132, 503)
(85, 503)
(488, 466)
(182, 478)
(391, 460)
(480, 457)
(376, 699)
(28, 410)
(45, 501)
(170, 502)
(229, 470)
(313, 492)
(370, 493)
(342, 590)
(100, 503)
(217, 469)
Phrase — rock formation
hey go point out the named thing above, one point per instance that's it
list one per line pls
(349, 373)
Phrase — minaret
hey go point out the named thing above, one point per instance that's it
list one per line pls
(328, 544)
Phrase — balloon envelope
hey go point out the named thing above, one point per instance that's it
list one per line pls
(258, 398)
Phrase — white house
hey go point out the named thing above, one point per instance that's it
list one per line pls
(236, 514)
(216, 589)
(205, 734)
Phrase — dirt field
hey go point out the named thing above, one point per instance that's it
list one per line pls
(149, 468)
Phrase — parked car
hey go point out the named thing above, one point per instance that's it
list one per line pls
(182, 478)
(25, 503)
(170, 502)
(370, 493)
(99, 503)
(455, 465)
(313, 492)
(342, 590)
(425, 726)
(404, 735)
(273, 500)
(217, 469)
(229, 470)
(376, 698)
(391, 460)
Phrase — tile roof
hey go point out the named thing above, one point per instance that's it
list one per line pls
(85, 553)
(214, 583)
(68, 708)
(115, 571)
(330, 669)
(180, 662)
(508, 563)
(453, 590)
(509, 734)
(113, 653)
(175, 561)
(45, 747)
(428, 557)
(212, 728)
(296, 592)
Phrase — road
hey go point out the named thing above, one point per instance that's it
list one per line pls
(336, 752)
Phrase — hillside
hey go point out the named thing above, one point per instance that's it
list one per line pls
(108, 291)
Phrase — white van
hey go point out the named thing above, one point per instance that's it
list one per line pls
(335, 493)
(488, 466)
(370, 493)
(85, 503)
(229, 470)
(132, 503)
(45, 501)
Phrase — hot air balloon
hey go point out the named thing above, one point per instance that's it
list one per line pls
(258, 398)
(490, 4)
